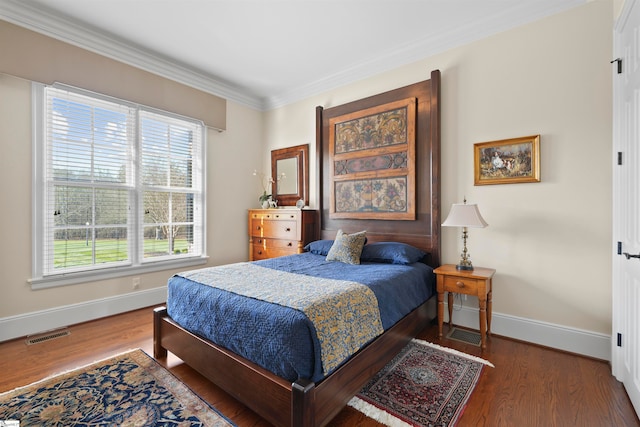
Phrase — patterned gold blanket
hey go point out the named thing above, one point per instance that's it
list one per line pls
(345, 314)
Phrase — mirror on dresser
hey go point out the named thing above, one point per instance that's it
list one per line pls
(293, 162)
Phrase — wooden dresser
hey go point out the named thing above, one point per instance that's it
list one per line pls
(279, 232)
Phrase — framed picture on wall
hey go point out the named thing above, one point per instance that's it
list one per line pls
(508, 161)
(372, 162)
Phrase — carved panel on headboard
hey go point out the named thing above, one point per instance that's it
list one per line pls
(423, 231)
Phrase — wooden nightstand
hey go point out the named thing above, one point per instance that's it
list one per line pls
(475, 282)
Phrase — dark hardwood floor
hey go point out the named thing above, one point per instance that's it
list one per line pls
(529, 386)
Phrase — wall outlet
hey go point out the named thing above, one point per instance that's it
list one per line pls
(135, 283)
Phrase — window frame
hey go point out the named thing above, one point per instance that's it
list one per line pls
(138, 264)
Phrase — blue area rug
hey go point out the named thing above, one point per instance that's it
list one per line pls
(130, 389)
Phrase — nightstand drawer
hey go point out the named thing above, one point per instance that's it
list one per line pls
(460, 285)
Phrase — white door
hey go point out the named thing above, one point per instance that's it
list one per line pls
(625, 354)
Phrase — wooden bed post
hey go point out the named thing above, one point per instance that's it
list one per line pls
(319, 166)
(158, 351)
(302, 401)
(435, 136)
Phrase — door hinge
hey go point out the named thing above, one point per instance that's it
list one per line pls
(619, 248)
(619, 340)
(619, 158)
(619, 61)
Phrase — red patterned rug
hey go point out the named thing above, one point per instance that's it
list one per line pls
(425, 385)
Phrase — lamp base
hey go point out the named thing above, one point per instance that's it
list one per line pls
(464, 267)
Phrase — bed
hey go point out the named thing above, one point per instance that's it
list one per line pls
(312, 394)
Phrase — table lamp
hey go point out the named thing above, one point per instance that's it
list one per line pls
(464, 215)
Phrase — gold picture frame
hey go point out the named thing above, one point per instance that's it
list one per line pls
(508, 161)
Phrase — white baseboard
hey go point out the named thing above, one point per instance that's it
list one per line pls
(54, 318)
(560, 337)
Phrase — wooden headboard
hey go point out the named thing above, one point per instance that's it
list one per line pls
(422, 232)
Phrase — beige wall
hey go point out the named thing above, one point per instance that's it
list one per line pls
(550, 241)
(43, 59)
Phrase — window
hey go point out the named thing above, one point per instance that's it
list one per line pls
(118, 188)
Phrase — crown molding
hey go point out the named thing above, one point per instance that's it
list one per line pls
(108, 45)
(421, 49)
(74, 33)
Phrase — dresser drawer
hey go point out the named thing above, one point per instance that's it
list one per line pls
(275, 215)
(460, 285)
(279, 232)
(260, 251)
(276, 229)
(274, 243)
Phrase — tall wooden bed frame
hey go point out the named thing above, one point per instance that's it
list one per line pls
(304, 403)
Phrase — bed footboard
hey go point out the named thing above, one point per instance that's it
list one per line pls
(263, 392)
(303, 403)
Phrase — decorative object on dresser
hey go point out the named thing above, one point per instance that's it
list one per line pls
(476, 282)
(464, 215)
(266, 200)
(279, 232)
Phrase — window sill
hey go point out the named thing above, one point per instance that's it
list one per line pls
(111, 273)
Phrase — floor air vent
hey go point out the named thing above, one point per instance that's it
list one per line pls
(470, 337)
(37, 339)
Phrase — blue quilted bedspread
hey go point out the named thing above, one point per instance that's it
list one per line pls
(282, 339)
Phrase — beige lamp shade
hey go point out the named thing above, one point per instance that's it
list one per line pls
(463, 215)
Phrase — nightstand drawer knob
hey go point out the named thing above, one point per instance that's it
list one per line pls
(460, 285)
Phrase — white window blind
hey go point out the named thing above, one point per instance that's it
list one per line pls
(121, 185)
(170, 176)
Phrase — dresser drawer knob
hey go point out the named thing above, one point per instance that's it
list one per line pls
(287, 229)
(258, 227)
(460, 284)
(259, 252)
(290, 244)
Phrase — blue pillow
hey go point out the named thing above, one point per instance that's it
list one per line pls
(391, 253)
(319, 247)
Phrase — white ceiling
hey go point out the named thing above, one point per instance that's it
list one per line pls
(267, 53)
